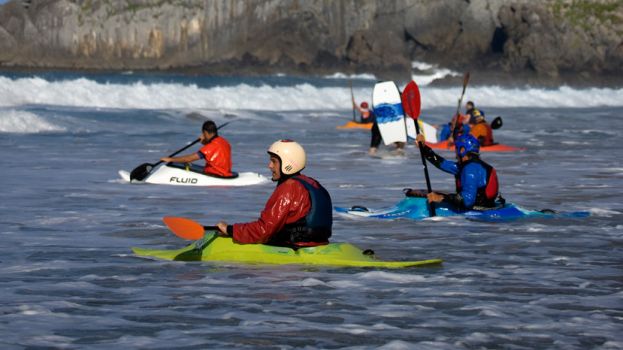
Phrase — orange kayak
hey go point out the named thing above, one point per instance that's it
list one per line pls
(354, 125)
(498, 147)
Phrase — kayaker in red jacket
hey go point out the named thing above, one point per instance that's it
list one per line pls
(298, 213)
(216, 152)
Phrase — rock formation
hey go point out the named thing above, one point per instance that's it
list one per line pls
(546, 38)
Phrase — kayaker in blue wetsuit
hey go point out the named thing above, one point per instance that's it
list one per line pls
(476, 181)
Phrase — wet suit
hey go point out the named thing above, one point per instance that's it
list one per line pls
(366, 115)
(375, 133)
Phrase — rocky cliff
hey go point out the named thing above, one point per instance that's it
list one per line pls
(547, 39)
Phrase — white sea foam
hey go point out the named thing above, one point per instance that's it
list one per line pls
(603, 212)
(351, 76)
(430, 72)
(311, 282)
(84, 92)
(12, 121)
(392, 277)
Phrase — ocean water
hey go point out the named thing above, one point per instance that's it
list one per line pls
(69, 279)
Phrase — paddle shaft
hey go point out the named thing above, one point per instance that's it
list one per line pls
(179, 151)
(143, 170)
(431, 206)
(458, 107)
(411, 102)
(352, 96)
(189, 145)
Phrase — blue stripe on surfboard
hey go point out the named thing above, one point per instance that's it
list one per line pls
(387, 113)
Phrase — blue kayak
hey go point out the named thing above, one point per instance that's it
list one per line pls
(416, 208)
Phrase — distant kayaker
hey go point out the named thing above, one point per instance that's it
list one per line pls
(216, 152)
(473, 122)
(298, 213)
(367, 116)
(365, 113)
(478, 126)
(476, 181)
(461, 126)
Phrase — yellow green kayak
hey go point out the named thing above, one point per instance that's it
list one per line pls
(216, 248)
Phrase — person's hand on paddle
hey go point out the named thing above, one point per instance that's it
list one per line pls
(222, 228)
(435, 197)
(166, 159)
(409, 192)
(420, 139)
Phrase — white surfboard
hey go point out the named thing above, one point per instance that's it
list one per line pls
(429, 131)
(388, 112)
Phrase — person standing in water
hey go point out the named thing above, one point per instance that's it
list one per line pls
(367, 116)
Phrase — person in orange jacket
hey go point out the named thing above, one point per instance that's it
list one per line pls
(216, 152)
(478, 126)
(472, 122)
(298, 213)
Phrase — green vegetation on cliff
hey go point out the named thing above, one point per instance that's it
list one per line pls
(581, 13)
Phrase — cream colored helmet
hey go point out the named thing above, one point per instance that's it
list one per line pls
(291, 155)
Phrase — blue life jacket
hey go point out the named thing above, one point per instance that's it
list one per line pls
(315, 227)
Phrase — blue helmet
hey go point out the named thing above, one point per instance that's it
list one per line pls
(465, 144)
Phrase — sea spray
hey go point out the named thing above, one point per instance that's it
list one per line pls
(136, 94)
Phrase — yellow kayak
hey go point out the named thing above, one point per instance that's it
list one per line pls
(216, 248)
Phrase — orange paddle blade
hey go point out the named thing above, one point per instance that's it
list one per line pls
(184, 228)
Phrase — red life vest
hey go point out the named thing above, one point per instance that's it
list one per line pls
(217, 155)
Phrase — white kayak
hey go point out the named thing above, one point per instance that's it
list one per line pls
(178, 174)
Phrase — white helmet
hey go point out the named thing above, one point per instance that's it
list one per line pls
(291, 155)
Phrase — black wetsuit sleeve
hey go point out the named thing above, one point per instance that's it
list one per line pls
(432, 157)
